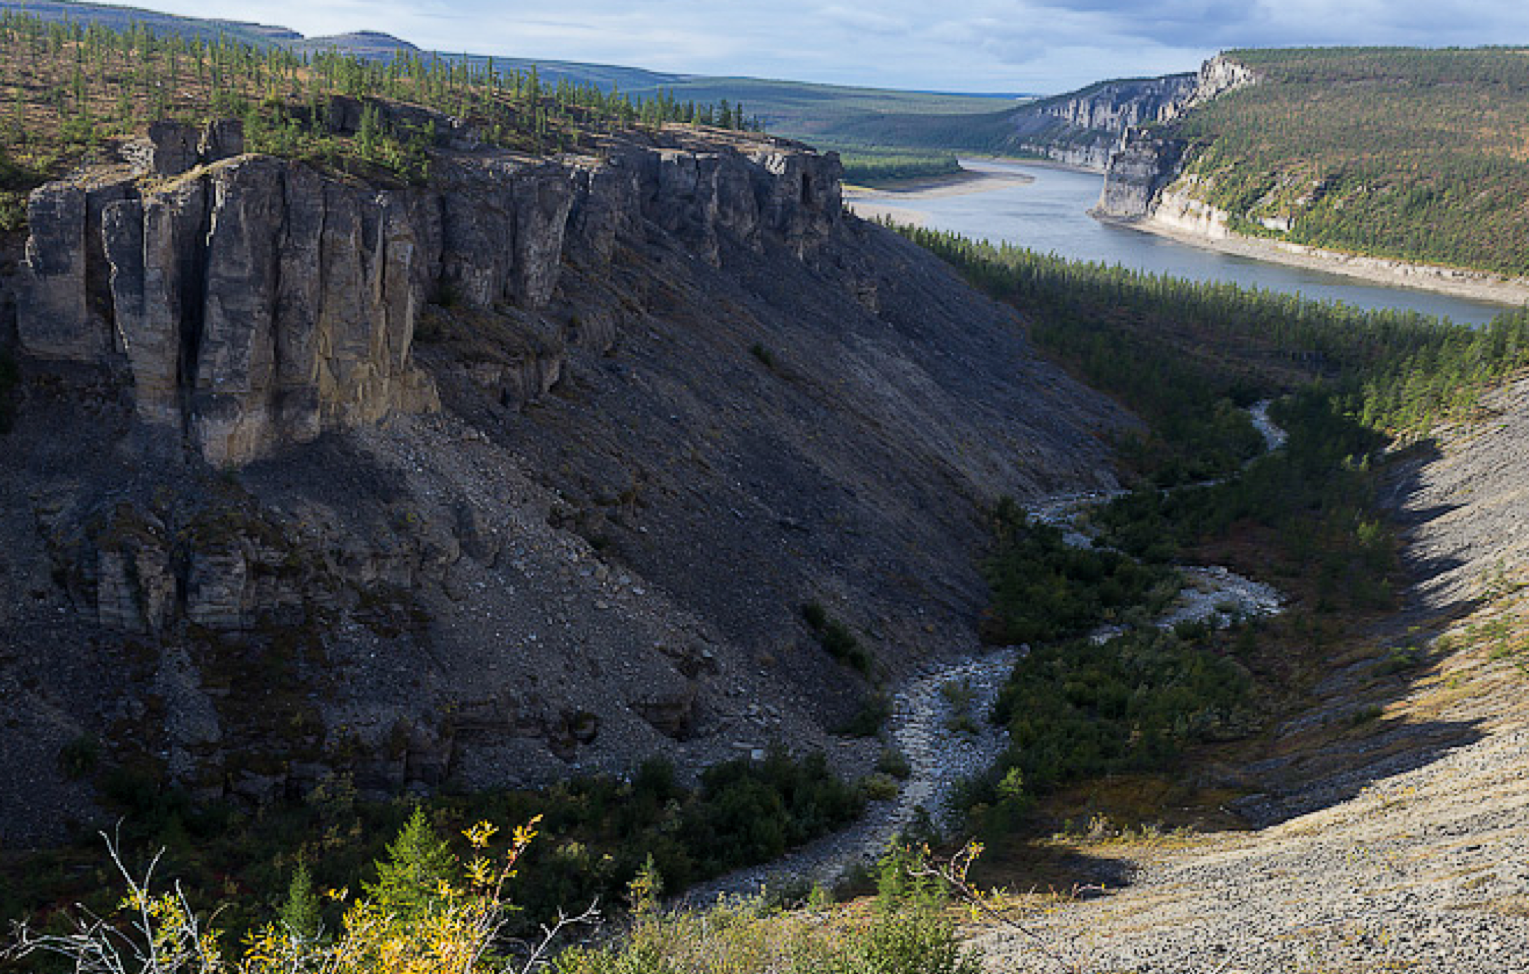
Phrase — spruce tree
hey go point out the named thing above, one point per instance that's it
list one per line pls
(418, 863)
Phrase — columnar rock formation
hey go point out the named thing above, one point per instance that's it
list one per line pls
(256, 302)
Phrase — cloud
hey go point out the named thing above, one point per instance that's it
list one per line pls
(954, 45)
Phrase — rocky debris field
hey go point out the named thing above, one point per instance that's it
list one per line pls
(1424, 871)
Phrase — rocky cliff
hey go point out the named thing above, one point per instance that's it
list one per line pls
(1150, 159)
(256, 303)
(1085, 128)
(519, 474)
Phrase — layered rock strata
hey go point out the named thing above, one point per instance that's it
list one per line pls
(255, 302)
(1149, 160)
(1086, 128)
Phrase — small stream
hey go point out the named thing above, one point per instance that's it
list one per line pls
(924, 715)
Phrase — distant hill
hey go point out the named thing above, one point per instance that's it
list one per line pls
(1400, 153)
(835, 114)
(362, 43)
(119, 18)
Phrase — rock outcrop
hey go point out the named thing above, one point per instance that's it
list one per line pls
(524, 474)
(1085, 128)
(1149, 159)
(1138, 173)
(255, 302)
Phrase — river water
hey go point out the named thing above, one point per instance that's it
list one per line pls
(1050, 215)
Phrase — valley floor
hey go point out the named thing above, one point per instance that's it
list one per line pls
(1401, 801)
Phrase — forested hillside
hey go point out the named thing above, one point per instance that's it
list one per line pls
(878, 130)
(1405, 153)
(67, 90)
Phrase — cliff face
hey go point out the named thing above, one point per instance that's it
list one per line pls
(256, 303)
(521, 474)
(1137, 174)
(1149, 160)
(1084, 129)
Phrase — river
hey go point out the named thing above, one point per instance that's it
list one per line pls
(1050, 215)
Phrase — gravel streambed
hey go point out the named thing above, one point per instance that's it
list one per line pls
(922, 724)
(925, 714)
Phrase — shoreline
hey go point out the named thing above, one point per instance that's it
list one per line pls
(899, 202)
(1037, 163)
(963, 183)
(866, 210)
(1480, 286)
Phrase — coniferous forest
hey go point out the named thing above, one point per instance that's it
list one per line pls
(1348, 386)
(66, 89)
(1392, 152)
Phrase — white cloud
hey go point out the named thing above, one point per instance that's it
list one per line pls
(974, 45)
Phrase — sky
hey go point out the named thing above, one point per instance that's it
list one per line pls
(1016, 46)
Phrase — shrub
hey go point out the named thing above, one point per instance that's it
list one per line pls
(752, 812)
(815, 615)
(835, 637)
(893, 763)
(1080, 709)
(426, 924)
(878, 787)
(748, 936)
(1045, 589)
(79, 757)
(869, 719)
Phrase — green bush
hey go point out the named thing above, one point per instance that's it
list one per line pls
(751, 812)
(1044, 589)
(893, 763)
(835, 637)
(1081, 709)
(868, 720)
(816, 615)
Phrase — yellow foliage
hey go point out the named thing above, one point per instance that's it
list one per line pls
(454, 935)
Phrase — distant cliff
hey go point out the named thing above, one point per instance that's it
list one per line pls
(1151, 158)
(1086, 127)
(1374, 161)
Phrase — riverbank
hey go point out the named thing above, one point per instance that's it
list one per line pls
(1037, 163)
(949, 184)
(1452, 281)
(891, 199)
(898, 201)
